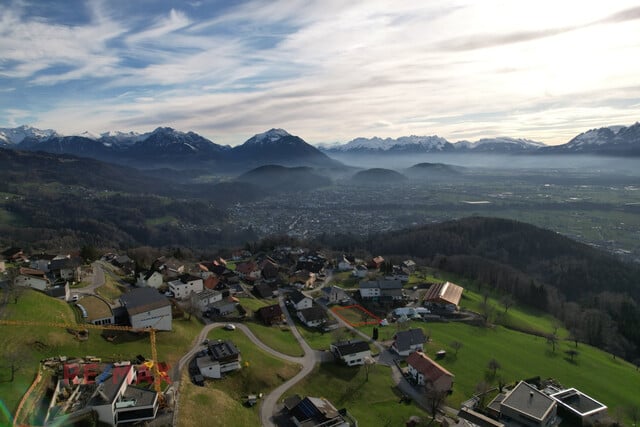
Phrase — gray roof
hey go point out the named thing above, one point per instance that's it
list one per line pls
(297, 296)
(405, 339)
(143, 299)
(528, 400)
(313, 313)
(345, 348)
(223, 351)
(381, 284)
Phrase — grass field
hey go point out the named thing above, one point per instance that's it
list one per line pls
(356, 315)
(111, 290)
(373, 402)
(525, 356)
(35, 343)
(278, 337)
(260, 373)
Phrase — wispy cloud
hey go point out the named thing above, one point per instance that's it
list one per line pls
(325, 70)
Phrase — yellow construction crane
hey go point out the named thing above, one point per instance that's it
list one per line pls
(152, 338)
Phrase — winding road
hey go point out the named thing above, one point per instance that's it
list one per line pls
(268, 407)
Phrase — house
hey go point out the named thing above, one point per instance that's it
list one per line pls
(170, 268)
(316, 412)
(223, 356)
(302, 278)
(409, 266)
(406, 342)
(352, 353)
(360, 271)
(344, 264)
(96, 310)
(14, 254)
(299, 300)
(150, 278)
(262, 290)
(62, 292)
(381, 290)
(248, 270)
(576, 407)
(525, 405)
(66, 267)
(429, 373)
(270, 315)
(206, 298)
(313, 262)
(313, 316)
(375, 263)
(269, 269)
(35, 279)
(113, 397)
(124, 262)
(147, 308)
(335, 294)
(185, 285)
(41, 262)
(222, 308)
(443, 295)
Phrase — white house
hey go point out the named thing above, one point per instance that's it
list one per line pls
(185, 286)
(117, 401)
(151, 278)
(300, 301)
(406, 342)
(574, 405)
(313, 316)
(526, 405)
(207, 297)
(429, 373)
(223, 356)
(147, 308)
(344, 264)
(352, 353)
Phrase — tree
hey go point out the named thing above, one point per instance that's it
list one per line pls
(481, 390)
(493, 366)
(89, 253)
(507, 301)
(572, 353)
(435, 400)
(456, 345)
(553, 340)
(190, 306)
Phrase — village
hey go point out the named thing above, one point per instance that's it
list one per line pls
(356, 313)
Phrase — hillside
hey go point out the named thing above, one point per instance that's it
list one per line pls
(432, 171)
(378, 176)
(281, 178)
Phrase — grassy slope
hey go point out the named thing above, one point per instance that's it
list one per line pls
(37, 343)
(260, 373)
(373, 403)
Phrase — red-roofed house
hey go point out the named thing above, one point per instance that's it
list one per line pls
(375, 262)
(429, 373)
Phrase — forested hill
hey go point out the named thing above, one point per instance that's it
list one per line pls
(574, 268)
(593, 293)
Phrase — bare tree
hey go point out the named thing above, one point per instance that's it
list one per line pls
(456, 345)
(553, 340)
(507, 302)
(493, 366)
(190, 306)
(435, 400)
(572, 353)
(481, 389)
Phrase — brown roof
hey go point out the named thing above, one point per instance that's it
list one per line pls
(269, 312)
(444, 292)
(427, 367)
(32, 272)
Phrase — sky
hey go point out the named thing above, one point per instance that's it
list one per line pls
(327, 71)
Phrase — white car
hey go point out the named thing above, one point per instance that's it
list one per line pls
(75, 297)
(230, 327)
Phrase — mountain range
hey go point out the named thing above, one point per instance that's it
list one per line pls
(170, 147)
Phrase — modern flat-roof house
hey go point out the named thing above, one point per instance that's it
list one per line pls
(525, 405)
(352, 353)
(406, 342)
(444, 295)
(223, 356)
(113, 397)
(429, 373)
(207, 297)
(573, 405)
(316, 412)
(147, 308)
(185, 285)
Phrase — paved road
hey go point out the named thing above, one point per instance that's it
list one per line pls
(268, 407)
(97, 280)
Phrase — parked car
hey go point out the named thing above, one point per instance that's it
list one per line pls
(230, 327)
(75, 297)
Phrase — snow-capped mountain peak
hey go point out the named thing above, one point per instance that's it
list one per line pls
(271, 135)
(404, 144)
(17, 135)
